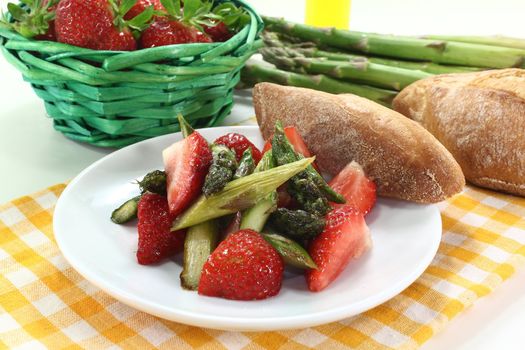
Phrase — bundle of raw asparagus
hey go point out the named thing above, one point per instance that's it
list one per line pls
(374, 66)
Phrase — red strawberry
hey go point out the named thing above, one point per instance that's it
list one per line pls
(89, 24)
(239, 143)
(164, 31)
(344, 238)
(156, 241)
(140, 6)
(243, 267)
(218, 32)
(186, 163)
(358, 190)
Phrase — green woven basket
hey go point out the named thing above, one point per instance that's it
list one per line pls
(115, 98)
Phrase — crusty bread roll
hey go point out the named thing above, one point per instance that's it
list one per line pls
(404, 160)
(480, 118)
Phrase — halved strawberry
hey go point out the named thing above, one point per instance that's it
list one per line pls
(186, 164)
(358, 190)
(156, 241)
(243, 267)
(344, 238)
(239, 143)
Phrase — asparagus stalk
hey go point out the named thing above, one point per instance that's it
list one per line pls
(291, 252)
(273, 42)
(359, 69)
(255, 73)
(126, 212)
(496, 40)
(439, 51)
(255, 217)
(199, 243)
(239, 194)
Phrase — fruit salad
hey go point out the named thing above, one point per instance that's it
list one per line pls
(240, 216)
(126, 25)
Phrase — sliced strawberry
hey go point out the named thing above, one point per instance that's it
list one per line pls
(186, 164)
(156, 241)
(344, 238)
(358, 190)
(243, 267)
(239, 143)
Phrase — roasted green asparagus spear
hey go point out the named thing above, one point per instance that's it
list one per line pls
(239, 194)
(222, 169)
(255, 217)
(199, 243)
(246, 164)
(291, 252)
(126, 212)
(308, 187)
(297, 224)
(154, 181)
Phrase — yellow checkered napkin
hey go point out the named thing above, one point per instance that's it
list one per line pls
(45, 303)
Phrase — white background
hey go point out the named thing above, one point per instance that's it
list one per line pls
(33, 155)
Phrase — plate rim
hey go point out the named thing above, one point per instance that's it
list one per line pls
(227, 323)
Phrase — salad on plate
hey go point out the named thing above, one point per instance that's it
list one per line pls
(240, 216)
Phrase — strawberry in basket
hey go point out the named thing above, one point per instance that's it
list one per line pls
(125, 25)
(195, 22)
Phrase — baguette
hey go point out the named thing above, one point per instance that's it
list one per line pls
(404, 160)
(480, 118)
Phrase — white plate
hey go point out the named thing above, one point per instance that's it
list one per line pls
(405, 239)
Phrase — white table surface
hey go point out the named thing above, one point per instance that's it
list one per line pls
(34, 156)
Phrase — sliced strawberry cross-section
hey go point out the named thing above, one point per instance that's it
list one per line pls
(358, 190)
(186, 163)
(345, 237)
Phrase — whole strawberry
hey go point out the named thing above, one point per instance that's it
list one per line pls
(90, 24)
(243, 267)
(156, 241)
(239, 143)
(218, 32)
(164, 31)
(140, 6)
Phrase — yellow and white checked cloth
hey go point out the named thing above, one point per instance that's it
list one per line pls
(45, 303)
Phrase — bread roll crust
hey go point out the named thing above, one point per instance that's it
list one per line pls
(404, 160)
(479, 118)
